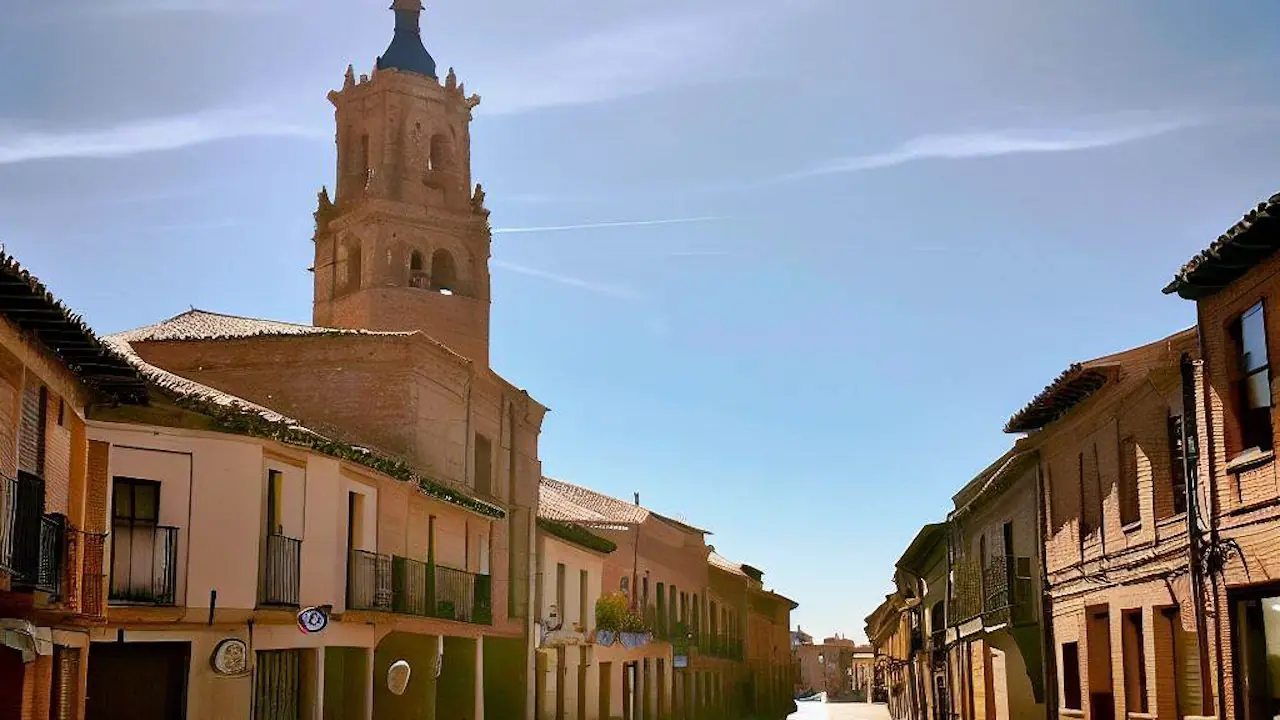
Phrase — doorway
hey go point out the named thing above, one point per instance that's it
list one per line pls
(1102, 704)
(137, 681)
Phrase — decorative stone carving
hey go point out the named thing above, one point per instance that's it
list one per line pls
(477, 201)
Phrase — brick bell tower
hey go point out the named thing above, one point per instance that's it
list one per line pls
(404, 243)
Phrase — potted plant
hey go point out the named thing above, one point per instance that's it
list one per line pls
(611, 613)
(634, 631)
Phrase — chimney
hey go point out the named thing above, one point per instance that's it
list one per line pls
(637, 499)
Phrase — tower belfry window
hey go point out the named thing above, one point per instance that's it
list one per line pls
(417, 273)
(353, 269)
(444, 274)
(441, 157)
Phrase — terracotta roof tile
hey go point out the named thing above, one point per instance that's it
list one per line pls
(565, 502)
(30, 306)
(286, 429)
(720, 562)
(1250, 241)
(204, 325)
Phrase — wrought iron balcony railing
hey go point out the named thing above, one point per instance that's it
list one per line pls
(391, 583)
(1001, 592)
(144, 564)
(369, 585)
(31, 542)
(469, 595)
(85, 559)
(282, 575)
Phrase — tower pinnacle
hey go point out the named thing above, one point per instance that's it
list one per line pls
(406, 51)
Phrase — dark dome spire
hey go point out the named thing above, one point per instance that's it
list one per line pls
(406, 51)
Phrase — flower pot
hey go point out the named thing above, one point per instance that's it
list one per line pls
(632, 640)
(605, 637)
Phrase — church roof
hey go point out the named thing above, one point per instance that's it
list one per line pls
(242, 416)
(204, 325)
(196, 324)
(406, 51)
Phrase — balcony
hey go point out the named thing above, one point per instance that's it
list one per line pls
(1001, 593)
(369, 581)
(282, 571)
(463, 596)
(31, 542)
(86, 594)
(144, 564)
(388, 583)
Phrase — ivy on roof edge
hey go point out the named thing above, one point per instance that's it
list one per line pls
(249, 423)
(577, 535)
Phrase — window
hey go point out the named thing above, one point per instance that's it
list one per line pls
(351, 280)
(1129, 511)
(31, 436)
(1177, 470)
(444, 273)
(644, 593)
(275, 502)
(1071, 690)
(624, 584)
(483, 465)
(560, 592)
(417, 272)
(684, 608)
(583, 580)
(1135, 663)
(662, 604)
(1254, 378)
(62, 412)
(135, 502)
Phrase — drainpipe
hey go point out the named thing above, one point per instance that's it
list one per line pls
(1202, 626)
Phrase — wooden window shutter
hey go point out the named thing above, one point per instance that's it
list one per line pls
(31, 441)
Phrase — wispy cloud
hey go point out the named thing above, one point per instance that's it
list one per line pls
(964, 146)
(633, 58)
(614, 291)
(147, 135)
(601, 225)
(135, 7)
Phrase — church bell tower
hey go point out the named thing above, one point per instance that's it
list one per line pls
(403, 244)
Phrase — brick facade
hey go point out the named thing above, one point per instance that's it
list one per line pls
(1116, 542)
(1244, 533)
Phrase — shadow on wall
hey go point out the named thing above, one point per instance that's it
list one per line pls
(419, 700)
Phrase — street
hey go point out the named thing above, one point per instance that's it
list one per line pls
(839, 711)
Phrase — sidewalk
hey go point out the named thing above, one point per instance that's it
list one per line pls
(839, 711)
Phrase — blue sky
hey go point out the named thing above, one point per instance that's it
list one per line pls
(872, 230)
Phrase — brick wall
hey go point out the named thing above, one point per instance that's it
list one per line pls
(1244, 501)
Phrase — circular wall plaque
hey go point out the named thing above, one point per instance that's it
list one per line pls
(313, 620)
(230, 657)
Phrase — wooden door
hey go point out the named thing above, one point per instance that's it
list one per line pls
(137, 681)
(606, 690)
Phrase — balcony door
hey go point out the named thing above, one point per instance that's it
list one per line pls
(143, 552)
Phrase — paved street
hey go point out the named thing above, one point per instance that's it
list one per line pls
(839, 711)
